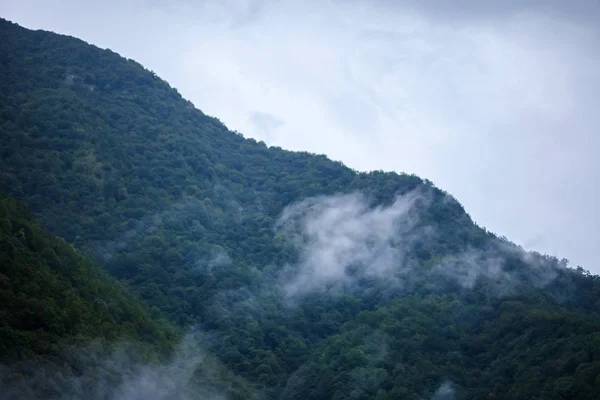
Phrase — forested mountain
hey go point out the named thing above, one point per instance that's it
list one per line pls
(308, 279)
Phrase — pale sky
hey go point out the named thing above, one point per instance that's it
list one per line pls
(497, 102)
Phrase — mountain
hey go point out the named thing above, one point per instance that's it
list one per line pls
(307, 279)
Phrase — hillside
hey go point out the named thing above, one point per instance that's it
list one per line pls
(53, 298)
(312, 280)
(68, 330)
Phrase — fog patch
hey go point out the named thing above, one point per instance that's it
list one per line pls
(341, 241)
(122, 374)
(217, 258)
(445, 392)
(504, 265)
(340, 238)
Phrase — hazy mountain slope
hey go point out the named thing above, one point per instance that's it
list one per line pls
(53, 298)
(312, 280)
(68, 330)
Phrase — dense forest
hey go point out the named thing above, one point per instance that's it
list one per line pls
(300, 278)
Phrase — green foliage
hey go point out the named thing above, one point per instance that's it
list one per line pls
(50, 295)
(507, 350)
(181, 212)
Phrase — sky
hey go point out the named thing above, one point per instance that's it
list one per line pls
(496, 102)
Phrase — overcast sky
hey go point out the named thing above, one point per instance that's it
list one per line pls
(497, 102)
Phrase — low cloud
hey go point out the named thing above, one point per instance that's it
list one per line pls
(341, 237)
(217, 259)
(505, 265)
(445, 392)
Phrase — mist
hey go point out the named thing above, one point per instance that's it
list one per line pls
(92, 372)
(444, 392)
(342, 239)
(341, 236)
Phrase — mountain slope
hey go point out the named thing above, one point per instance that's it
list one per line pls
(314, 280)
(54, 299)
(50, 292)
(69, 330)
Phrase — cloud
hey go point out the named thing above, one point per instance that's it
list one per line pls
(445, 392)
(219, 259)
(487, 11)
(163, 382)
(502, 264)
(342, 237)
